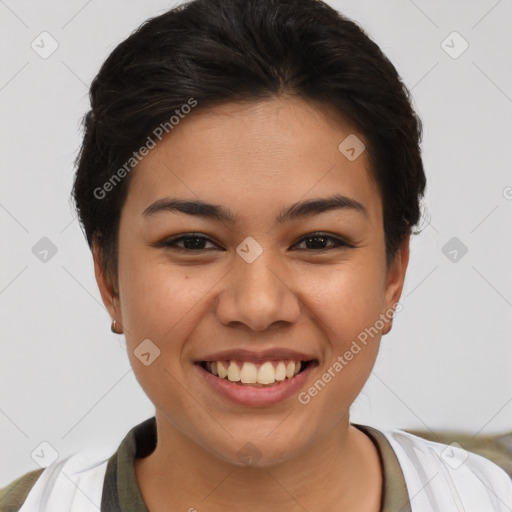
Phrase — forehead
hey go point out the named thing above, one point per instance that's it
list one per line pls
(256, 156)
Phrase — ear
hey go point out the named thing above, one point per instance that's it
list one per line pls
(395, 282)
(107, 290)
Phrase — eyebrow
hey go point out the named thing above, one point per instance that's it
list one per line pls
(297, 210)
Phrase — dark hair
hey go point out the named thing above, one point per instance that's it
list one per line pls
(219, 51)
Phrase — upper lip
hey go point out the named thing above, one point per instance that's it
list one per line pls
(256, 356)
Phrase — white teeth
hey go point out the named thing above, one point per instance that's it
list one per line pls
(223, 373)
(248, 373)
(266, 373)
(233, 372)
(290, 369)
(280, 371)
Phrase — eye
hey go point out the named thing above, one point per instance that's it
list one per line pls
(318, 241)
(195, 242)
(191, 243)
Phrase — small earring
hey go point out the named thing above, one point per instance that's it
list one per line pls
(113, 327)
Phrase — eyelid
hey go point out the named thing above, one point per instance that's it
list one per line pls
(170, 242)
(338, 242)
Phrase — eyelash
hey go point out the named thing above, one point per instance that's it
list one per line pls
(171, 243)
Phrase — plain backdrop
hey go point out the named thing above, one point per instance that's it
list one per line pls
(66, 379)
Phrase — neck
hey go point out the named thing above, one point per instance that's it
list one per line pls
(341, 469)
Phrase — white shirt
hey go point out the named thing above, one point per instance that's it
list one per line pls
(439, 478)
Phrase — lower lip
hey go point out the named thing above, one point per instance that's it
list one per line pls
(255, 396)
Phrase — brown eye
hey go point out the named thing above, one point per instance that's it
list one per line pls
(191, 243)
(318, 241)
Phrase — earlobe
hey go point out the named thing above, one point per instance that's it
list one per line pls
(108, 295)
(395, 282)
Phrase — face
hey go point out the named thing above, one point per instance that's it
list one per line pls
(252, 278)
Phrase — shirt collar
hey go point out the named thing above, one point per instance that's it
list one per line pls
(121, 492)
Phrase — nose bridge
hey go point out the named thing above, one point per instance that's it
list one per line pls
(256, 294)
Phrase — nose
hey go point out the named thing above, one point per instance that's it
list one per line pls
(257, 295)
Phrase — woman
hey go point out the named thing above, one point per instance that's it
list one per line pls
(248, 181)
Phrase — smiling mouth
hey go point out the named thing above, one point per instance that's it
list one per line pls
(265, 374)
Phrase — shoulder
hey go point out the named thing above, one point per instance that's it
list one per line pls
(54, 488)
(441, 472)
(495, 447)
(452, 456)
(13, 495)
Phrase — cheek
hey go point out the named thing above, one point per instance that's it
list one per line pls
(348, 305)
(153, 298)
(157, 304)
(348, 299)
(349, 302)
(161, 301)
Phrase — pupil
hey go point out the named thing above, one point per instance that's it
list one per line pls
(317, 246)
(193, 243)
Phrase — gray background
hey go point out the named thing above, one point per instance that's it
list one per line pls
(66, 379)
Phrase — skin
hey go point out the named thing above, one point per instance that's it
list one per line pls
(254, 159)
